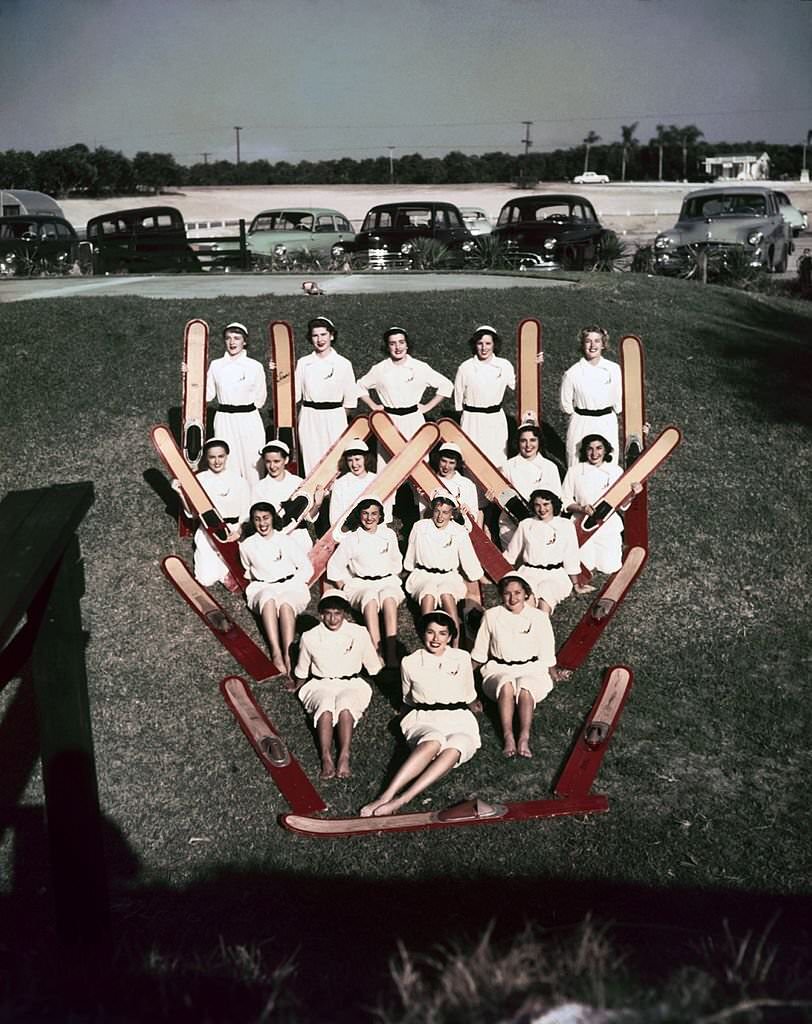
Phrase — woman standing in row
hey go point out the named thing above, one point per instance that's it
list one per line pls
(592, 393)
(479, 390)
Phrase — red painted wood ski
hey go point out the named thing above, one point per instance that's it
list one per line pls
(282, 352)
(199, 501)
(385, 483)
(582, 765)
(529, 346)
(193, 401)
(270, 748)
(576, 648)
(633, 369)
(237, 642)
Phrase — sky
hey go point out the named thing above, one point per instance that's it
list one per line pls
(322, 79)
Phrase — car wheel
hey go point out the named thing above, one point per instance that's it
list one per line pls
(781, 266)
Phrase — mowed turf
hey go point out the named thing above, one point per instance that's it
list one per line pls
(706, 773)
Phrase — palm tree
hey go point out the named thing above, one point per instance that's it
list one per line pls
(628, 141)
(688, 136)
(589, 141)
(663, 136)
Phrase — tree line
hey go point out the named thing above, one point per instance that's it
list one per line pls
(674, 153)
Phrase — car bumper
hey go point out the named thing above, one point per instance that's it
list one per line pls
(678, 260)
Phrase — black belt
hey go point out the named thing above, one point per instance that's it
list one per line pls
(385, 576)
(482, 408)
(283, 580)
(231, 519)
(404, 411)
(458, 706)
(524, 661)
(425, 568)
(236, 408)
(554, 565)
(355, 675)
(594, 412)
(322, 405)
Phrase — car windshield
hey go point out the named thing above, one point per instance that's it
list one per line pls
(402, 218)
(282, 220)
(553, 213)
(734, 204)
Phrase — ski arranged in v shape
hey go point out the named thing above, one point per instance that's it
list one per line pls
(193, 401)
(282, 352)
(528, 390)
(633, 367)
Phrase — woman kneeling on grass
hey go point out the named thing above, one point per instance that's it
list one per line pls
(329, 682)
(440, 727)
(515, 648)
(279, 572)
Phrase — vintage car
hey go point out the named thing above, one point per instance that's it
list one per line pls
(796, 219)
(399, 236)
(591, 178)
(721, 221)
(276, 234)
(550, 232)
(476, 220)
(140, 241)
(37, 244)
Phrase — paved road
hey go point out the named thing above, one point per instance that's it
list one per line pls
(203, 286)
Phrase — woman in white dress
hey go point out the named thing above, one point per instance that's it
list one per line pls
(592, 393)
(238, 383)
(440, 726)
(355, 475)
(228, 492)
(366, 566)
(528, 471)
(515, 649)
(329, 682)
(278, 485)
(479, 390)
(325, 387)
(278, 572)
(447, 463)
(545, 550)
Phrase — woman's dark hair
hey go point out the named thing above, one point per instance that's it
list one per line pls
(355, 516)
(322, 321)
(479, 333)
(548, 496)
(594, 329)
(343, 467)
(216, 442)
(585, 442)
(442, 619)
(434, 458)
(387, 334)
(264, 506)
(529, 428)
(511, 577)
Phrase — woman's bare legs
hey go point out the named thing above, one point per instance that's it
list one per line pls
(324, 733)
(425, 765)
(390, 629)
(526, 705)
(287, 627)
(507, 706)
(449, 605)
(344, 730)
(270, 623)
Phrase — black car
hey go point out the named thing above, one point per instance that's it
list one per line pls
(550, 232)
(140, 241)
(32, 244)
(410, 235)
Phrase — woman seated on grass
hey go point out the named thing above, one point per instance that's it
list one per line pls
(366, 565)
(515, 648)
(355, 475)
(278, 571)
(278, 485)
(329, 682)
(439, 700)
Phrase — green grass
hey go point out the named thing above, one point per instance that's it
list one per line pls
(704, 776)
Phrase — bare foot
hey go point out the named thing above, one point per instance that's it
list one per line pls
(369, 809)
(509, 747)
(382, 810)
(328, 770)
(289, 683)
(343, 768)
(524, 749)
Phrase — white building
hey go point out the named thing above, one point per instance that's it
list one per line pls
(732, 167)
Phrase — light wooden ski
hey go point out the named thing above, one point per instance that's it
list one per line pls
(385, 483)
(236, 641)
(633, 369)
(529, 342)
(193, 402)
(582, 766)
(271, 749)
(282, 351)
(198, 500)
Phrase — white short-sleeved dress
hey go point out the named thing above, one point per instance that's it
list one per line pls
(460, 488)
(228, 492)
(400, 387)
(434, 558)
(368, 564)
(431, 681)
(547, 554)
(278, 571)
(325, 386)
(239, 385)
(275, 490)
(528, 475)
(517, 648)
(592, 397)
(479, 390)
(331, 660)
(585, 484)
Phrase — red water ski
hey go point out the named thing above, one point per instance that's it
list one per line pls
(529, 346)
(633, 369)
(582, 765)
(576, 648)
(282, 352)
(237, 642)
(193, 401)
(271, 749)
(198, 500)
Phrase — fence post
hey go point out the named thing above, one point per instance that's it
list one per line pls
(244, 263)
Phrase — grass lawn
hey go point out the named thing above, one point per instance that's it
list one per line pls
(708, 817)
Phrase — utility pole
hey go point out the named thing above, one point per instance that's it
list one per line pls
(237, 130)
(527, 141)
(804, 171)
(391, 166)
(205, 158)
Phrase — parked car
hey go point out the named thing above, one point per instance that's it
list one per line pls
(723, 220)
(140, 241)
(37, 244)
(550, 232)
(279, 234)
(476, 220)
(591, 178)
(796, 219)
(398, 235)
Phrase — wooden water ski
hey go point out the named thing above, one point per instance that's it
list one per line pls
(582, 766)
(193, 401)
(491, 558)
(385, 483)
(236, 641)
(576, 648)
(282, 351)
(270, 748)
(633, 369)
(471, 812)
(200, 503)
(529, 342)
